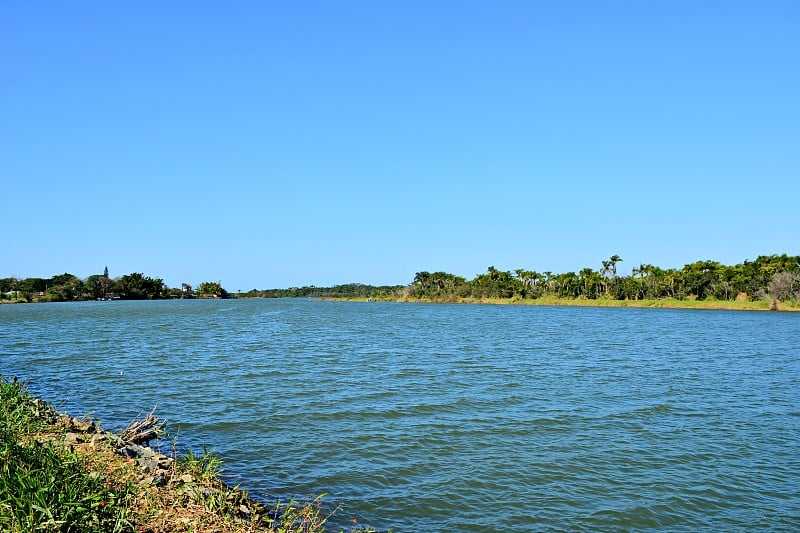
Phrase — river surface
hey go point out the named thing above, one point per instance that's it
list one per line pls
(450, 418)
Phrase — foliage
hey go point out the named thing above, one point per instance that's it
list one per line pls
(770, 276)
(212, 289)
(137, 286)
(205, 466)
(777, 276)
(350, 290)
(68, 287)
(45, 487)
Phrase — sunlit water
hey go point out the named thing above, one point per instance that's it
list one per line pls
(450, 417)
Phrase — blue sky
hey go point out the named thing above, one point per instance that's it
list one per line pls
(266, 144)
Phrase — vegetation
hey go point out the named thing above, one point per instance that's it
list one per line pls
(350, 290)
(213, 290)
(773, 278)
(68, 287)
(53, 480)
(47, 487)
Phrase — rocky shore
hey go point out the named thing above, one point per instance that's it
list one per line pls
(152, 492)
(179, 495)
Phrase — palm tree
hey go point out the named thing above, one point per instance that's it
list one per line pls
(587, 275)
(613, 260)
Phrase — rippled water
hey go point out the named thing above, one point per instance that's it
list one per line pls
(451, 417)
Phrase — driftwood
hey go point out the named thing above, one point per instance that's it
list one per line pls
(145, 429)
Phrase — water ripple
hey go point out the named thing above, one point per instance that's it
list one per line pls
(448, 417)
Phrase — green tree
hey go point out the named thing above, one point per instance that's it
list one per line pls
(495, 284)
(591, 283)
(698, 279)
(137, 286)
(213, 289)
(97, 287)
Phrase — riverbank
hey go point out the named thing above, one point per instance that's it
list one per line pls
(666, 303)
(61, 473)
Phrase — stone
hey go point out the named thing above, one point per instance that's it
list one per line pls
(156, 480)
(83, 427)
(73, 438)
(147, 463)
(130, 450)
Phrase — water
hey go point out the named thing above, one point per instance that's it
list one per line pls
(450, 417)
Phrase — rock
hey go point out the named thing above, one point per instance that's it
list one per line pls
(156, 480)
(147, 459)
(187, 478)
(130, 450)
(83, 427)
(148, 463)
(73, 438)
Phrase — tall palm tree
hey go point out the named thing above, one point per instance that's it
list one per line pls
(613, 260)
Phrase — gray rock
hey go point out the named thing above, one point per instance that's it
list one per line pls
(73, 438)
(130, 450)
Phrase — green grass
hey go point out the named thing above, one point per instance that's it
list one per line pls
(45, 487)
(671, 303)
(48, 486)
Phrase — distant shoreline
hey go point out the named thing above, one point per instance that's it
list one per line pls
(666, 303)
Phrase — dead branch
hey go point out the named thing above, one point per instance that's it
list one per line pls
(143, 429)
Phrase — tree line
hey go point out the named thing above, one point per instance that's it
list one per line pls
(348, 290)
(769, 276)
(773, 276)
(68, 287)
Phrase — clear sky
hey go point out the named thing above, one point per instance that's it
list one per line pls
(276, 144)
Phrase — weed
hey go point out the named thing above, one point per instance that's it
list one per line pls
(204, 467)
(45, 487)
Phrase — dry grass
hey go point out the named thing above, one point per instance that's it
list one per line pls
(665, 303)
(183, 494)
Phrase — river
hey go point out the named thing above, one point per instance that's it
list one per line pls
(450, 418)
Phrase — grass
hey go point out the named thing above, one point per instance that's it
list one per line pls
(82, 484)
(43, 486)
(666, 303)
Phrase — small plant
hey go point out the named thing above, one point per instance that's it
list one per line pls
(44, 486)
(204, 467)
(295, 518)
